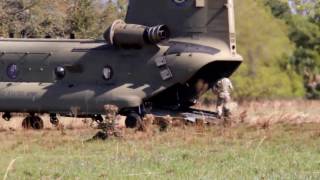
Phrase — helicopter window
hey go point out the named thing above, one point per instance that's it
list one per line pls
(179, 2)
(12, 71)
(107, 73)
(60, 72)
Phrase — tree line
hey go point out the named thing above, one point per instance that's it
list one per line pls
(303, 21)
(280, 42)
(58, 19)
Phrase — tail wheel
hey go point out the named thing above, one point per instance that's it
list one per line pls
(33, 122)
(132, 120)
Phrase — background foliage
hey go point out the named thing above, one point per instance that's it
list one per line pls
(264, 43)
(280, 43)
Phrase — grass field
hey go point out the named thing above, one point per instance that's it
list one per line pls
(269, 140)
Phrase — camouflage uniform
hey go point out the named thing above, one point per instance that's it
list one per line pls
(110, 125)
(223, 89)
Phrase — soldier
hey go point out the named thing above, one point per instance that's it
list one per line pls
(110, 125)
(223, 89)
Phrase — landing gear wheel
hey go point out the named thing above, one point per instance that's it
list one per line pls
(132, 120)
(37, 123)
(33, 122)
(97, 118)
(6, 116)
(54, 120)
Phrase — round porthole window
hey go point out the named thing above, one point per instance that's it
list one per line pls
(12, 71)
(107, 73)
(60, 72)
(179, 2)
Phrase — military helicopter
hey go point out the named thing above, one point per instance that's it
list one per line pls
(154, 58)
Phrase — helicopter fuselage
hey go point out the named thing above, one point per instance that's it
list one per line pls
(93, 73)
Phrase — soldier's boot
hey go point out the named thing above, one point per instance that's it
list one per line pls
(101, 135)
(227, 117)
(220, 111)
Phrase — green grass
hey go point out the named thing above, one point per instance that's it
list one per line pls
(280, 152)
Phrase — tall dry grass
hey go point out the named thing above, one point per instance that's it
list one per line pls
(272, 112)
(262, 113)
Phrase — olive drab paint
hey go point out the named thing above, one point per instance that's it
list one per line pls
(156, 55)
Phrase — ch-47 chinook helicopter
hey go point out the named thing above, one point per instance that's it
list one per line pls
(156, 56)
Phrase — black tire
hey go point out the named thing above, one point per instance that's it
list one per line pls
(26, 123)
(6, 116)
(33, 122)
(132, 120)
(54, 122)
(37, 123)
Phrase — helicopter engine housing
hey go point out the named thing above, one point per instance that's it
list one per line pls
(133, 35)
